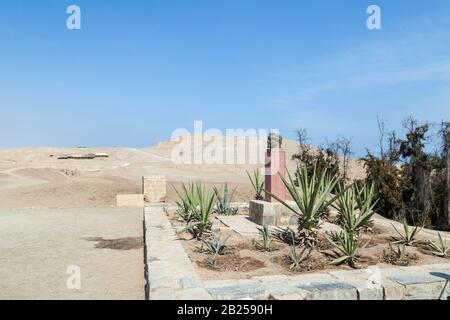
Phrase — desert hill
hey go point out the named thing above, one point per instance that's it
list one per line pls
(35, 177)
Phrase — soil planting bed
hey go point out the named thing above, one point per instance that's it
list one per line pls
(244, 260)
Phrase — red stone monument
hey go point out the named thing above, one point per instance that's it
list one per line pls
(270, 211)
(275, 166)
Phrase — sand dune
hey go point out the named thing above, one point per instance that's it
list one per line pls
(34, 177)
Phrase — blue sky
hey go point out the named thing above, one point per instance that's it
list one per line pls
(137, 70)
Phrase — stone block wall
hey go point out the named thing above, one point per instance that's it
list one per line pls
(154, 188)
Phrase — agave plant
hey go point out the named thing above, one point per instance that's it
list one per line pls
(348, 246)
(285, 235)
(398, 253)
(366, 197)
(366, 203)
(201, 210)
(440, 249)
(408, 237)
(223, 205)
(398, 256)
(312, 194)
(257, 183)
(216, 245)
(297, 258)
(266, 238)
(187, 200)
(355, 209)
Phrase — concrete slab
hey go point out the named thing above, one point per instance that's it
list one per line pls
(130, 200)
(240, 224)
(430, 233)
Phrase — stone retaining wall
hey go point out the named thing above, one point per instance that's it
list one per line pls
(171, 275)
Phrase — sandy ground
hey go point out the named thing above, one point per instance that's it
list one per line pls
(34, 177)
(56, 213)
(38, 246)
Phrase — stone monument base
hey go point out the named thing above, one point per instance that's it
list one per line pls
(154, 188)
(272, 213)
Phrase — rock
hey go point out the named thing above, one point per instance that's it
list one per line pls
(366, 282)
(421, 285)
(238, 292)
(192, 294)
(330, 291)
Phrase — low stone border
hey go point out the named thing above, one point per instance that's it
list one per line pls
(429, 233)
(171, 276)
(170, 273)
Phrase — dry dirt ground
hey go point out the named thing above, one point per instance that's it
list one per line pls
(55, 213)
(38, 245)
(34, 177)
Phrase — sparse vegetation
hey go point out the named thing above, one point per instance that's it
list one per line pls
(440, 249)
(297, 258)
(408, 237)
(367, 201)
(314, 187)
(223, 204)
(257, 183)
(355, 206)
(197, 204)
(410, 178)
(334, 156)
(347, 246)
(398, 256)
(187, 200)
(286, 235)
(312, 195)
(216, 245)
(266, 239)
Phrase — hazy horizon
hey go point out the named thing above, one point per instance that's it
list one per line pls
(136, 72)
